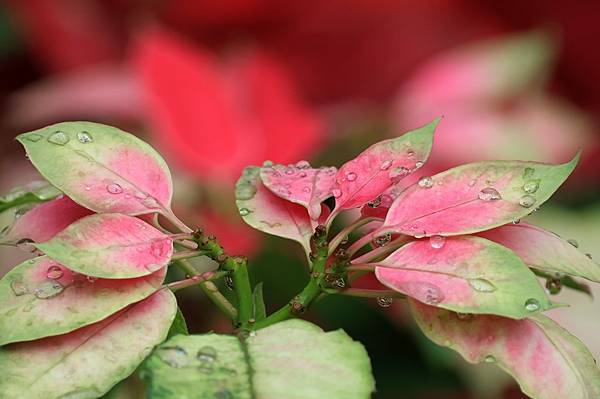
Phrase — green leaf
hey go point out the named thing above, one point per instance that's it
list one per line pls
(110, 245)
(260, 311)
(101, 167)
(566, 281)
(41, 298)
(546, 360)
(32, 193)
(293, 359)
(179, 325)
(88, 362)
(465, 274)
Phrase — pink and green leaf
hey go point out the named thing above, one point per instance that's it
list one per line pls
(544, 250)
(87, 362)
(475, 197)
(42, 298)
(464, 274)
(300, 184)
(101, 167)
(546, 360)
(380, 166)
(45, 220)
(265, 211)
(110, 245)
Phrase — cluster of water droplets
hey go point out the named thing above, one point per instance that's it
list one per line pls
(382, 240)
(385, 301)
(530, 186)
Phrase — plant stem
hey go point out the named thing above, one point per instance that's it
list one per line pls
(187, 254)
(366, 293)
(377, 252)
(197, 279)
(171, 217)
(210, 289)
(311, 291)
(335, 242)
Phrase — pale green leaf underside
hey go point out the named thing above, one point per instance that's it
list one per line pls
(293, 359)
(88, 362)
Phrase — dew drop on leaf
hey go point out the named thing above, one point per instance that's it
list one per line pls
(489, 359)
(385, 165)
(532, 305)
(528, 173)
(419, 164)
(553, 286)
(385, 301)
(48, 289)
(207, 354)
(337, 192)
(244, 212)
(174, 356)
(516, 221)
(465, 316)
(267, 163)
(531, 186)
(26, 245)
(59, 138)
(425, 182)
(573, 242)
(437, 242)
(114, 188)
(351, 176)
(489, 194)
(34, 137)
(54, 272)
(375, 203)
(84, 137)
(382, 240)
(91, 279)
(245, 191)
(290, 170)
(228, 280)
(303, 164)
(18, 288)
(481, 285)
(527, 201)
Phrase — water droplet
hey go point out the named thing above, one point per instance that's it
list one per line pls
(532, 305)
(303, 165)
(336, 192)
(531, 186)
(245, 191)
(553, 286)
(423, 291)
(489, 194)
(114, 188)
(18, 287)
(87, 188)
(516, 221)
(174, 356)
(410, 152)
(589, 255)
(481, 285)
(340, 283)
(437, 242)
(26, 245)
(267, 163)
(385, 165)
(245, 211)
(375, 203)
(527, 201)
(207, 354)
(385, 301)
(382, 240)
(54, 272)
(419, 164)
(528, 173)
(489, 359)
(34, 137)
(84, 137)
(351, 176)
(464, 316)
(91, 279)
(425, 182)
(573, 242)
(302, 174)
(290, 170)
(58, 137)
(229, 283)
(48, 289)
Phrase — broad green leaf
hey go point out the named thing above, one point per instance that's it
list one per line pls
(41, 297)
(380, 166)
(101, 167)
(179, 326)
(110, 245)
(475, 197)
(293, 359)
(300, 184)
(464, 274)
(260, 311)
(544, 250)
(32, 193)
(44, 221)
(264, 211)
(86, 363)
(546, 360)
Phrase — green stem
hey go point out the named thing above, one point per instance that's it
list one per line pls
(380, 251)
(187, 254)
(335, 242)
(195, 280)
(365, 293)
(310, 292)
(210, 289)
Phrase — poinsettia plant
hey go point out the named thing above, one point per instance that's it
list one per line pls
(93, 307)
